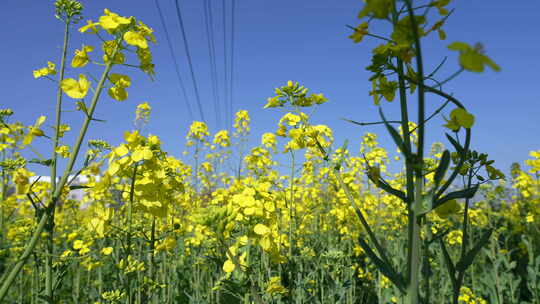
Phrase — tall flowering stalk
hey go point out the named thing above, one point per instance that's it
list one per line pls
(394, 57)
(125, 32)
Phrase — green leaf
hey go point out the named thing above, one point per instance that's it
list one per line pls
(386, 187)
(448, 262)
(443, 166)
(454, 143)
(44, 162)
(466, 193)
(395, 136)
(75, 187)
(467, 260)
(384, 268)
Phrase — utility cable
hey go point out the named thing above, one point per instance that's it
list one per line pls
(208, 18)
(180, 81)
(186, 46)
(227, 111)
(231, 88)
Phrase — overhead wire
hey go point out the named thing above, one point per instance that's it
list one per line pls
(190, 63)
(231, 88)
(209, 23)
(228, 112)
(176, 68)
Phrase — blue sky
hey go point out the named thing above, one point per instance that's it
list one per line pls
(282, 40)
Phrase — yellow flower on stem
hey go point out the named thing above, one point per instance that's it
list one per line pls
(120, 82)
(92, 26)
(111, 21)
(135, 38)
(459, 117)
(359, 32)
(48, 70)
(81, 56)
(75, 89)
(34, 131)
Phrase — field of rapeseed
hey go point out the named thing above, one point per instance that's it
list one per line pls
(338, 226)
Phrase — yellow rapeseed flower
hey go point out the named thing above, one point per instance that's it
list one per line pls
(81, 56)
(135, 38)
(50, 69)
(111, 21)
(75, 89)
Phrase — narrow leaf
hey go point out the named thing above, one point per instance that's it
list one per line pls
(44, 162)
(454, 143)
(395, 136)
(75, 187)
(466, 193)
(386, 187)
(448, 261)
(467, 260)
(382, 266)
(443, 166)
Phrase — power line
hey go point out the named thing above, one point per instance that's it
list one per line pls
(208, 18)
(180, 81)
(228, 112)
(186, 47)
(232, 54)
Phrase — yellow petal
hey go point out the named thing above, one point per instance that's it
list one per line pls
(118, 93)
(136, 39)
(75, 89)
(261, 229)
(113, 168)
(121, 150)
(119, 80)
(228, 266)
(137, 155)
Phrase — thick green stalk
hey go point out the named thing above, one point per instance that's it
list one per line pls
(128, 233)
(49, 292)
(291, 228)
(3, 197)
(418, 163)
(415, 259)
(151, 295)
(29, 248)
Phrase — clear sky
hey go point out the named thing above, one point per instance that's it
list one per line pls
(282, 40)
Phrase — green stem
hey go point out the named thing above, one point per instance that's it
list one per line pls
(29, 248)
(151, 269)
(415, 258)
(464, 242)
(291, 222)
(3, 197)
(128, 232)
(49, 292)
(415, 243)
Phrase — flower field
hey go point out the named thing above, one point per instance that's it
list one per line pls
(293, 218)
